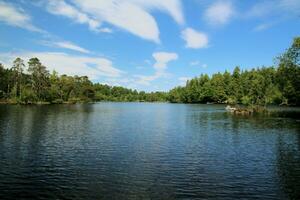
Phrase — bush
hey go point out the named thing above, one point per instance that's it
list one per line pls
(246, 100)
(28, 96)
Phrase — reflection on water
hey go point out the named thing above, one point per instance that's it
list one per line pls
(146, 151)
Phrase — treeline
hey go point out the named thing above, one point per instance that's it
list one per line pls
(40, 86)
(261, 86)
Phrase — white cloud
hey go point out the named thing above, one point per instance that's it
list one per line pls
(125, 15)
(219, 13)
(60, 7)
(13, 16)
(130, 15)
(71, 46)
(172, 7)
(161, 61)
(194, 39)
(64, 45)
(63, 63)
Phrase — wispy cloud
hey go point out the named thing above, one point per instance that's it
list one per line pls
(57, 43)
(263, 26)
(273, 12)
(266, 8)
(60, 7)
(219, 13)
(69, 64)
(198, 63)
(15, 16)
(71, 46)
(65, 45)
(162, 59)
(172, 7)
(194, 39)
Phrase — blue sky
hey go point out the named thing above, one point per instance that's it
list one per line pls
(147, 44)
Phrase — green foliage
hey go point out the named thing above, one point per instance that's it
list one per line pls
(177, 95)
(246, 100)
(257, 87)
(39, 78)
(288, 73)
(40, 86)
(17, 69)
(28, 96)
(261, 86)
(6, 82)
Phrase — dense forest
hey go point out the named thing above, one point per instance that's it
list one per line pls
(261, 86)
(40, 86)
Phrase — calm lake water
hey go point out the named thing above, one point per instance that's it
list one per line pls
(146, 151)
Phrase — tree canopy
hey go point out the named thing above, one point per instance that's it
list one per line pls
(39, 85)
(259, 86)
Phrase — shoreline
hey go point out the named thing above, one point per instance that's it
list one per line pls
(239, 111)
(237, 106)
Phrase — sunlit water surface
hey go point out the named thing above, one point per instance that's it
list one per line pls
(146, 151)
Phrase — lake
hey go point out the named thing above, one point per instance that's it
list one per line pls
(146, 151)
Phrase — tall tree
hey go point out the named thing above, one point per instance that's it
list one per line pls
(289, 73)
(39, 77)
(18, 69)
(3, 82)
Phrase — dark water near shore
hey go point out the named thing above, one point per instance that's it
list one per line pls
(146, 151)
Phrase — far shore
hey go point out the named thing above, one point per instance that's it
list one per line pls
(238, 106)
